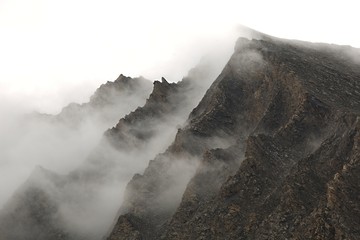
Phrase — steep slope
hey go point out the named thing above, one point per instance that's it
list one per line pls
(84, 205)
(272, 149)
(285, 174)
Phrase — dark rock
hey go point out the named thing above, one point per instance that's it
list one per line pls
(287, 112)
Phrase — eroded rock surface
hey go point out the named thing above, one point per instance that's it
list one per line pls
(276, 138)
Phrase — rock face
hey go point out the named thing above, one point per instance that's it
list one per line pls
(276, 145)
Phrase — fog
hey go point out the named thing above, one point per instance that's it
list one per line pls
(29, 139)
(88, 175)
(107, 172)
(61, 51)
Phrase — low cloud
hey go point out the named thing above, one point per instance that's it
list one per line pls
(94, 174)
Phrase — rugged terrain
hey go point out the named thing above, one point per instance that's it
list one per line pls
(271, 151)
(287, 115)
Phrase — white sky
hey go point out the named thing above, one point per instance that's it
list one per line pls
(53, 52)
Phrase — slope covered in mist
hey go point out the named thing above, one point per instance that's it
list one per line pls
(61, 142)
(84, 203)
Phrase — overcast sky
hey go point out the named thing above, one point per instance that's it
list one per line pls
(53, 52)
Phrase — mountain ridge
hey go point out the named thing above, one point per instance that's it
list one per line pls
(270, 151)
(293, 117)
(163, 111)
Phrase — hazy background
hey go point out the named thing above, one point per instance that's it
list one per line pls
(55, 52)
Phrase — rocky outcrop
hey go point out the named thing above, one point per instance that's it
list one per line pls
(276, 136)
(140, 125)
(107, 103)
(148, 129)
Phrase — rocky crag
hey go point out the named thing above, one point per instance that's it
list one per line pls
(106, 105)
(287, 113)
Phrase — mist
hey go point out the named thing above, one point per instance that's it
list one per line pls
(110, 167)
(57, 53)
(63, 59)
(83, 174)
(58, 143)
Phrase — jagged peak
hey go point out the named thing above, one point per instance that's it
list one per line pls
(163, 80)
(247, 34)
(102, 94)
(161, 89)
(122, 78)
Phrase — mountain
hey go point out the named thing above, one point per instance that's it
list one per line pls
(269, 150)
(106, 105)
(84, 203)
(274, 143)
(33, 208)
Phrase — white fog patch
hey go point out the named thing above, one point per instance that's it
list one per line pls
(90, 196)
(60, 145)
(180, 172)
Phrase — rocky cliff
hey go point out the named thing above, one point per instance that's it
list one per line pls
(275, 140)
